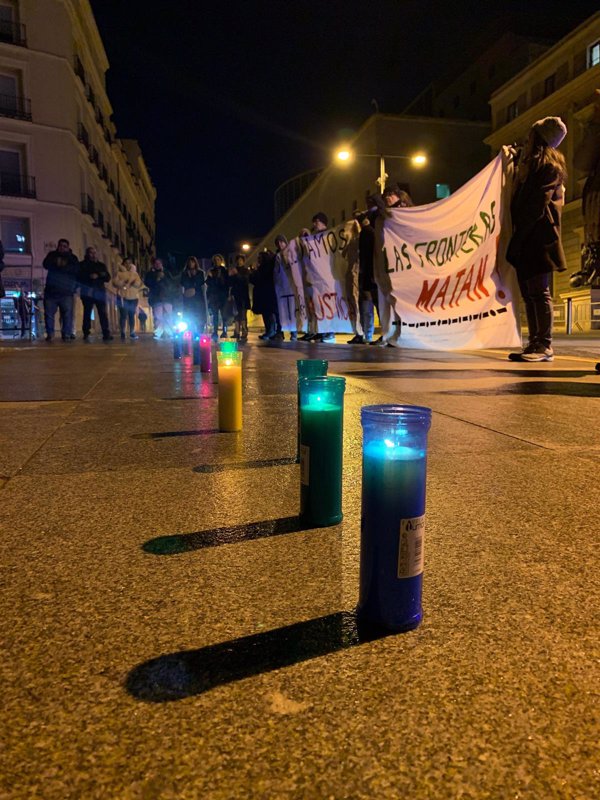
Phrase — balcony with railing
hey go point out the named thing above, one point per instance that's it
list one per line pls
(87, 206)
(79, 70)
(13, 33)
(15, 106)
(83, 135)
(12, 184)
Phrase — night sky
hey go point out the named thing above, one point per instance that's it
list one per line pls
(229, 102)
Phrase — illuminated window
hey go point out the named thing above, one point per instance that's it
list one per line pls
(15, 234)
(594, 54)
(512, 112)
(442, 190)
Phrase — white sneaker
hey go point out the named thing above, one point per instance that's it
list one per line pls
(540, 353)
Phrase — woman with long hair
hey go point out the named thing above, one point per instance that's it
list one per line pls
(535, 249)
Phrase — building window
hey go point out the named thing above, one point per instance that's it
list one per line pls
(549, 85)
(512, 112)
(15, 234)
(442, 190)
(594, 54)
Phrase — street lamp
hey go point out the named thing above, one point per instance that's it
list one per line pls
(245, 247)
(345, 156)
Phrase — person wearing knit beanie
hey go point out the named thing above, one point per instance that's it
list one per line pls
(535, 248)
(551, 129)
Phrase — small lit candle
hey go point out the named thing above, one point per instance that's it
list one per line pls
(393, 515)
(230, 391)
(204, 345)
(177, 345)
(321, 437)
(308, 368)
(196, 350)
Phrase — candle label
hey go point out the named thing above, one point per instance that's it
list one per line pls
(410, 551)
(304, 464)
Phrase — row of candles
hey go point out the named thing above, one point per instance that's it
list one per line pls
(394, 468)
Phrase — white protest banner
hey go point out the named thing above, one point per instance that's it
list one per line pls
(287, 276)
(330, 277)
(440, 271)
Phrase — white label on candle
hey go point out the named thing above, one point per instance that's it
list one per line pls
(410, 551)
(304, 464)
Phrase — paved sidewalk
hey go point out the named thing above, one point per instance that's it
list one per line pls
(170, 630)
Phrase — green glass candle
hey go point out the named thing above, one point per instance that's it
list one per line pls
(228, 347)
(321, 438)
(308, 368)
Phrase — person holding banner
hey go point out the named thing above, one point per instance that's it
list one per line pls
(320, 222)
(281, 244)
(535, 248)
(587, 159)
(368, 292)
(393, 197)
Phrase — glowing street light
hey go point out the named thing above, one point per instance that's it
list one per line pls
(345, 155)
(245, 247)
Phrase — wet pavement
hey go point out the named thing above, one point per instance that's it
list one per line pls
(171, 629)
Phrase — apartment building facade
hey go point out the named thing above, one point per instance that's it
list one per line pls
(561, 83)
(63, 170)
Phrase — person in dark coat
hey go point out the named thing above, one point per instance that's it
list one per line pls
(264, 297)
(535, 248)
(162, 287)
(367, 288)
(216, 295)
(92, 278)
(193, 283)
(587, 159)
(237, 282)
(61, 282)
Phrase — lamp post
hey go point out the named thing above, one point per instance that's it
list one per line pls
(345, 156)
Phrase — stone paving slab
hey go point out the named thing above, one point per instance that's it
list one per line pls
(174, 634)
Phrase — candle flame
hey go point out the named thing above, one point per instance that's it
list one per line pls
(389, 443)
(228, 362)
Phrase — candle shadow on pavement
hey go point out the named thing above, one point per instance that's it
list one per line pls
(560, 388)
(171, 434)
(271, 462)
(428, 374)
(233, 534)
(188, 673)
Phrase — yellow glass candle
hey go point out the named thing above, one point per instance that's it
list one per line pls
(230, 391)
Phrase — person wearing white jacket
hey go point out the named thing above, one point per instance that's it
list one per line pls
(128, 284)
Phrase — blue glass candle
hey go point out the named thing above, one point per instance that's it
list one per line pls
(177, 345)
(308, 368)
(393, 515)
(321, 438)
(196, 350)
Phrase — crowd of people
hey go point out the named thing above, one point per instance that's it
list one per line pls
(221, 298)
